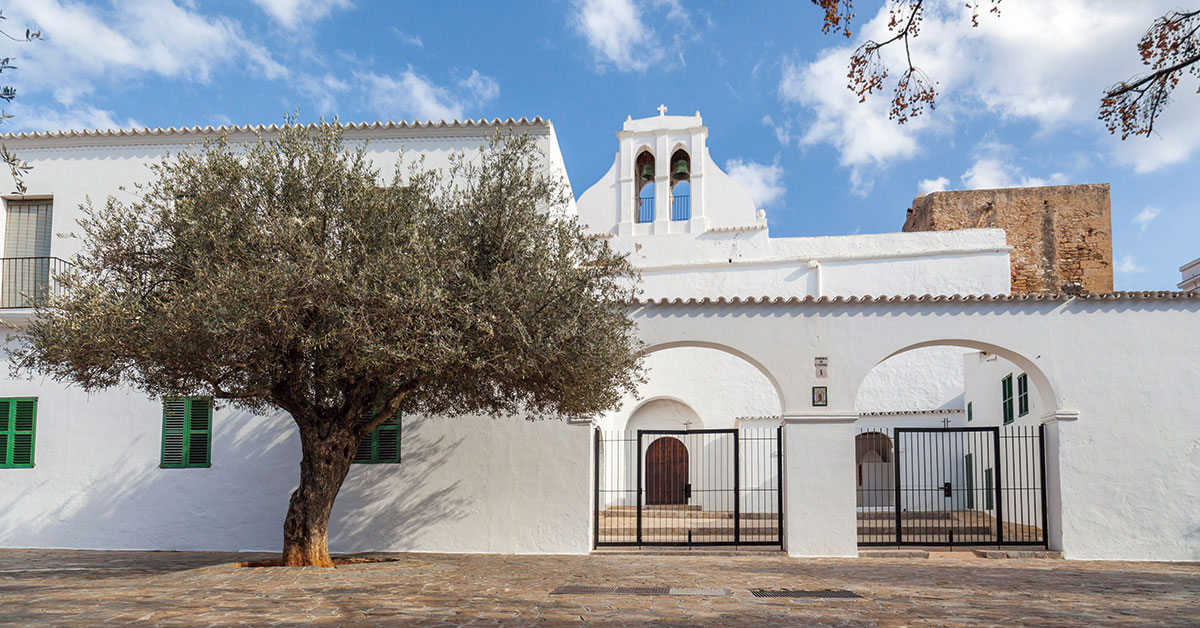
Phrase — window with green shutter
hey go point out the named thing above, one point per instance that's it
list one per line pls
(1022, 394)
(187, 432)
(18, 422)
(1006, 394)
(970, 411)
(383, 445)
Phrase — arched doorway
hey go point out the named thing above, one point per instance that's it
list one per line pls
(666, 472)
(950, 447)
(876, 474)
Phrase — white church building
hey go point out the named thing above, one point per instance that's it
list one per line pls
(817, 394)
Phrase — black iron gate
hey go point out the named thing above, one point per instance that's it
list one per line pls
(688, 487)
(951, 486)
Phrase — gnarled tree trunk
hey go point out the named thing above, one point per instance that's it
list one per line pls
(323, 468)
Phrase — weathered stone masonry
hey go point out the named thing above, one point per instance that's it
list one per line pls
(1061, 235)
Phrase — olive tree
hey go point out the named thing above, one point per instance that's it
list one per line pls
(288, 273)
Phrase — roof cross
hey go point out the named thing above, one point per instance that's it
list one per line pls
(662, 110)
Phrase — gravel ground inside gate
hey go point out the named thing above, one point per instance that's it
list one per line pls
(84, 588)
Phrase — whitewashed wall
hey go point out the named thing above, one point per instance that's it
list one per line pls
(73, 167)
(465, 484)
(1121, 444)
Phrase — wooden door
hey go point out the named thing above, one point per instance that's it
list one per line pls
(666, 471)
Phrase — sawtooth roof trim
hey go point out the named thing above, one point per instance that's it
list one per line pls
(927, 298)
(430, 125)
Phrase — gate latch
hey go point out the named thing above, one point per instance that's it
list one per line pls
(946, 490)
(687, 491)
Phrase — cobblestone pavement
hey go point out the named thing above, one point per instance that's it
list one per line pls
(52, 587)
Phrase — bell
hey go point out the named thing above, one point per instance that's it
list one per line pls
(647, 172)
(681, 171)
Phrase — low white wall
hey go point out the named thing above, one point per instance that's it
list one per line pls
(465, 485)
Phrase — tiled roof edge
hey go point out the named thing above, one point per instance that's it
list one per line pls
(902, 412)
(926, 298)
(261, 128)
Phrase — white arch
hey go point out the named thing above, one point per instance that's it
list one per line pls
(1040, 381)
(727, 349)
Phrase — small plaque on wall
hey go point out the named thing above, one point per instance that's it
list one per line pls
(820, 396)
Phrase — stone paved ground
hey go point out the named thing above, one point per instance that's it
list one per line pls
(46, 587)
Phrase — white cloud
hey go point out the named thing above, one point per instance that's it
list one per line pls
(763, 181)
(862, 133)
(618, 37)
(925, 186)
(993, 168)
(1129, 265)
(291, 14)
(85, 46)
(615, 33)
(482, 88)
(409, 95)
(43, 119)
(1146, 216)
(410, 39)
(783, 132)
(1045, 62)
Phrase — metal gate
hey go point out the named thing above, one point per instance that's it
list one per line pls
(688, 487)
(951, 486)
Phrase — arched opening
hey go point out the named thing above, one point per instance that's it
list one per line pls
(876, 474)
(643, 176)
(681, 174)
(950, 447)
(700, 443)
(664, 413)
(666, 472)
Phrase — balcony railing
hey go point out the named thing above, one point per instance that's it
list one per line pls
(26, 280)
(681, 207)
(646, 209)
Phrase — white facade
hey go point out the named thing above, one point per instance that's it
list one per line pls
(734, 322)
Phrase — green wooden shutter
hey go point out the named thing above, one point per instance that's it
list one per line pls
(970, 464)
(387, 440)
(989, 501)
(5, 431)
(199, 431)
(366, 446)
(18, 422)
(1006, 393)
(23, 423)
(174, 432)
(382, 445)
(187, 432)
(1022, 394)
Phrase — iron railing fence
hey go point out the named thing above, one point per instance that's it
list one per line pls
(25, 281)
(681, 207)
(688, 487)
(645, 209)
(951, 486)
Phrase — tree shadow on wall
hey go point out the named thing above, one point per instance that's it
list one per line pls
(122, 499)
(391, 507)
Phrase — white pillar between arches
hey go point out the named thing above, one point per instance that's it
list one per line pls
(818, 484)
(1053, 488)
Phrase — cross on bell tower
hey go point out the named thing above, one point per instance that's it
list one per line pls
(662, 110)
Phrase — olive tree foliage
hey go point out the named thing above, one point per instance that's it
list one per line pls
(16, 167)
(290, 274)
(1170, 48)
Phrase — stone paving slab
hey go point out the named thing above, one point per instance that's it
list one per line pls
(87, 588)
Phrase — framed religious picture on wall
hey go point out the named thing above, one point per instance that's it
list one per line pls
(820, 396)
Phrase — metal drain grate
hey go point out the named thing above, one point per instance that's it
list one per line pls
(801, 593)
(576, 589)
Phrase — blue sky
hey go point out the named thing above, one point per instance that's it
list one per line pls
(1018, 94)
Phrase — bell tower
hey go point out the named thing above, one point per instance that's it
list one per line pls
(660, 184)
(664, 182)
